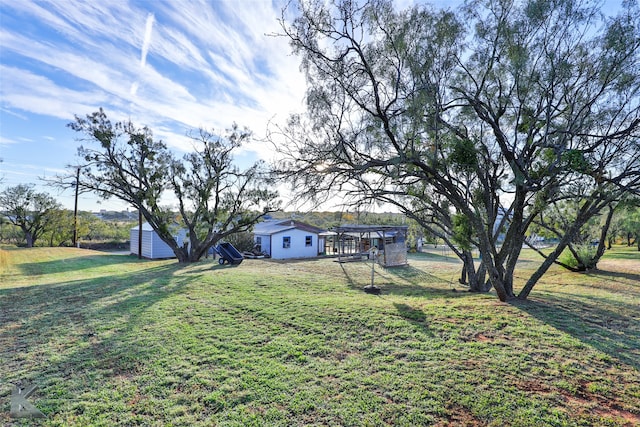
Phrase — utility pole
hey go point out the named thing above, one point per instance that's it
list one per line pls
(142, 154)
(139, 234)
(75, 209)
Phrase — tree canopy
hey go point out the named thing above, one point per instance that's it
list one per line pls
(214, 198)
(471, 122)
(29, 210)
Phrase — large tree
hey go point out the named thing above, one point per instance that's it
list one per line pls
(214, 197)
(471, 122)
(28, 209)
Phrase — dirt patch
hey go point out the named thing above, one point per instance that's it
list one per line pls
(460, 417)
(619, 265)
(589, 405)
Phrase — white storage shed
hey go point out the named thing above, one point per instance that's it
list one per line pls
(152, 245)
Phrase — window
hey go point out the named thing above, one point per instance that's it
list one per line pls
(286, 242)
(259, 243)
(308, 241)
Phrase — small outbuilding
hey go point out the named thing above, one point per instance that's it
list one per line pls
(285, 239)
(153, 247)
(356, 241)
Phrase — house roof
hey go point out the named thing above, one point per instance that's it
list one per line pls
(372, 230)
(363, 228)
(271, 227)
(145, 227)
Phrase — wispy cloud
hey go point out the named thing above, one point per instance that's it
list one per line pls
(13, 113)
(37, 94)
(147, 39)
(6, 141)
(197, 63)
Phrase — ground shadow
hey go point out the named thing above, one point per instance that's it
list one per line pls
(77, 263)
(407, 281)
(34, 317)
(433, 255)
(407, 312)
(415, 317)
(594, 321)
(352, 283)
(411, 275)
(633, 277)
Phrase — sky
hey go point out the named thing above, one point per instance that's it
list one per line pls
(172, 65)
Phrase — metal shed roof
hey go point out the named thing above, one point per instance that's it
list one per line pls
(362, 228)
(371, 230)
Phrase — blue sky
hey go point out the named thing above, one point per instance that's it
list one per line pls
(172, 65)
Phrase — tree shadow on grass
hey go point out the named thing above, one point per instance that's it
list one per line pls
(608, 327)
(77, 263)
(70, 337)
(433, 256)
(410, 274)
(627, 277)
(402, 281)
(413, 315)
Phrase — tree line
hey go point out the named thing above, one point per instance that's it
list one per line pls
(33, 218)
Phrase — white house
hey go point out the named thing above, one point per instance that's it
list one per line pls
(152, 245)
(283, 239)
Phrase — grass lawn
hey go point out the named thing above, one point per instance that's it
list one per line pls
(114, 341)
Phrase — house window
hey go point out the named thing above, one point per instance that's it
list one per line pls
(286, 242)
(259, 243)
(308, 241)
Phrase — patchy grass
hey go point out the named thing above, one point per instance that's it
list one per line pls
(114, 341)
(4, 260)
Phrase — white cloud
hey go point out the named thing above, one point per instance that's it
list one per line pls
(134, 88)
(169, 65)
(6, 141)
(147, 39)
(37, 94)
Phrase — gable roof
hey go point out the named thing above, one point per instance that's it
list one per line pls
(271, 227)
(145, 227)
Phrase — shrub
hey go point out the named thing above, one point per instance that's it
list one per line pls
(586, 257)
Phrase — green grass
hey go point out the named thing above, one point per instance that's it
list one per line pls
(114, 341)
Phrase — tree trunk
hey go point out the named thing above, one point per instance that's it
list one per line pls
(463, 276)
(476, 279)
(511, 261)
(603, 237)
(182, 254)
(496, 277)
(592, 262)
(549, 260)
(498, 284)
(29, 238)
(481, 276)
(493, 267)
